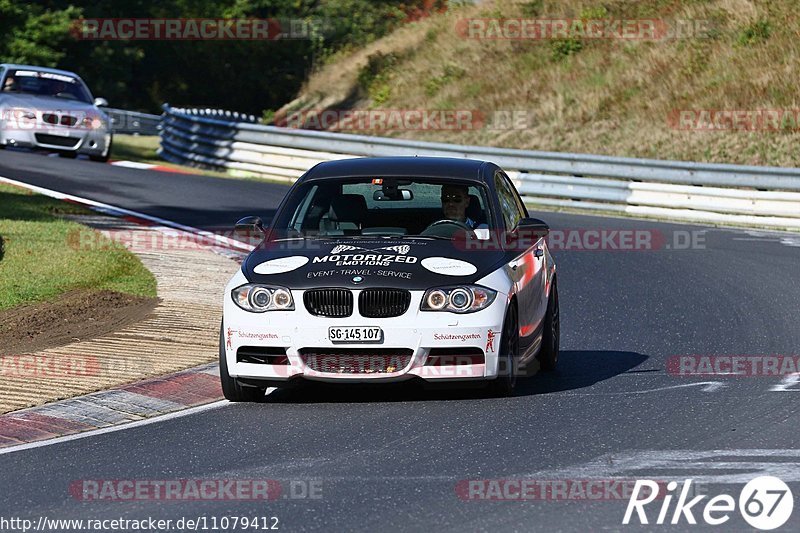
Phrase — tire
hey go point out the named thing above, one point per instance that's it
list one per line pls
(551, 336)
(507, 371)
(103, 158)
(231, 388)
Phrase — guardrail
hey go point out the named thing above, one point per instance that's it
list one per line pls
(697, 192)
(133, 122)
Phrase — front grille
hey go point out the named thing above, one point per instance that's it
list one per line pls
(56, 140)
(356, 360)
(383, 303)
(68, 120)
(50, 118)
(329, 302)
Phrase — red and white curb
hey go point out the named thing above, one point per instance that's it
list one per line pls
(148, 401)
(151, 398)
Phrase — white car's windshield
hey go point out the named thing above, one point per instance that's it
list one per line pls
(384, 206)
(46, 84)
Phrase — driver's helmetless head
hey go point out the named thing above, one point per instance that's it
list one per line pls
(455, 199)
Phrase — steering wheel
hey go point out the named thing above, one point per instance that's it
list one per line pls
(431, 229)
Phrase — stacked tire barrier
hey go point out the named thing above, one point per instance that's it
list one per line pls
(697, 192)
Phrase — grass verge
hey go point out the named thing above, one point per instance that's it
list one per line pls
(610, 96)
(41, 257)
(140, 148)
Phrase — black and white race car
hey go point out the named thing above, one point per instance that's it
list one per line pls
(389, 269)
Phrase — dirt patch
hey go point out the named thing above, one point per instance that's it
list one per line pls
(74, 316)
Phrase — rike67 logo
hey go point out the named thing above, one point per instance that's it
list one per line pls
(765, 503)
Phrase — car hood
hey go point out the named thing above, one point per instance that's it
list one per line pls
(413, 264)
(44, 103)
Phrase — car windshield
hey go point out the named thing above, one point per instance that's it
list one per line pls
(354, 207)
(46, 84)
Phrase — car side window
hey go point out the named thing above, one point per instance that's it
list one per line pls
(517, 199)
(510, 205)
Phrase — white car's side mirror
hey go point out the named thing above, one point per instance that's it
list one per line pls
(101, 102)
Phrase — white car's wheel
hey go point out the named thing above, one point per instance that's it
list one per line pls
(506, 380)
(551, 336)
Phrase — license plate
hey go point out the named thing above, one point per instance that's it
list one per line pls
(355, 334)
(58, 131)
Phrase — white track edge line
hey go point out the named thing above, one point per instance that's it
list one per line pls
(111, 209)
(112, 429)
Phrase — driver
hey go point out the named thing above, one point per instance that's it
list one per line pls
(10, 84)
(455, 200)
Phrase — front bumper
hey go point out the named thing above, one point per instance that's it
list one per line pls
(61, 138)
(415, 332)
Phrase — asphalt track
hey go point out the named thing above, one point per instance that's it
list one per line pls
(391, 458)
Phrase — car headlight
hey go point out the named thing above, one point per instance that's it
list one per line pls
(20, 113)
(93, 122)
(257, 298)
(458, 299)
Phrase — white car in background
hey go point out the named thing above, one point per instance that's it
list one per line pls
(53, 110)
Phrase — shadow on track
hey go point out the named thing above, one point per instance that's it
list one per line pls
(576, 370)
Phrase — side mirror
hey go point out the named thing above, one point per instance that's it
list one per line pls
(534, 224)
(101, 102)
(529, 230)
(526, 234)
(249, 227)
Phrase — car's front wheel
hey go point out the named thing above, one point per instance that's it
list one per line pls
(508, 355)
(551, 336)
(231, 388)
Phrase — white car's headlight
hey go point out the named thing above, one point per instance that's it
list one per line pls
(458, 299)
(92, 121)
(20, 113)
(257, 298)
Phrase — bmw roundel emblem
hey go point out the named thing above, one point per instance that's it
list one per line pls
(357, 279)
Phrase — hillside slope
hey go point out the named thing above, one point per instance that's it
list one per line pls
(615, 96)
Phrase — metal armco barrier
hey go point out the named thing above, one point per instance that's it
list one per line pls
(133, 122)
(697, 192)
